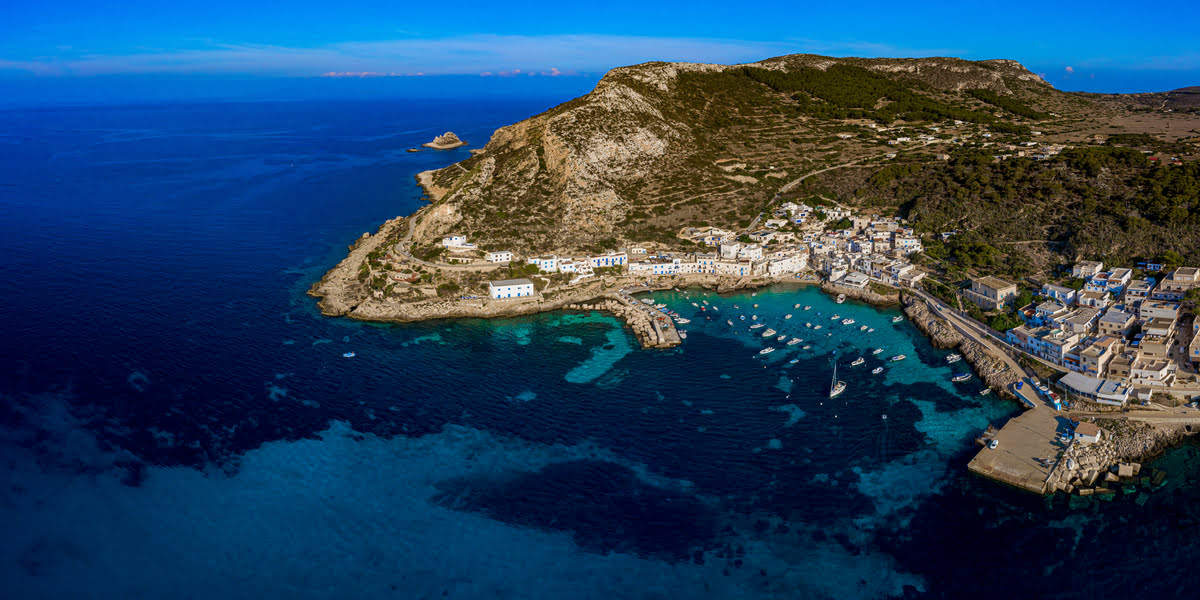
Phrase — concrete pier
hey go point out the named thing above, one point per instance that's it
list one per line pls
(652, 328)
(1027, 447)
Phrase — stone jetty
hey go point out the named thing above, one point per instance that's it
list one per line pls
(651, 328)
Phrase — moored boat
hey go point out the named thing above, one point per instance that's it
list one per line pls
(794, 341)
(897, 318)
(858, 361)
(769, 332)
(847, 321)
(877, 370)
(787, 317)
(766, 350)
(877, 351)
(841, 298)
(836, 387)
(349, 355)
(898, 357)
(960, 377)
(953, 358)
(757, 325)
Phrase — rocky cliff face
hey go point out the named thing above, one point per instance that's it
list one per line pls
(641, 154)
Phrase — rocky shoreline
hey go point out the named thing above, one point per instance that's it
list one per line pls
(992, 370)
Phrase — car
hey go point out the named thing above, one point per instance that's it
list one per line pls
(995, 443)
(1020, 384)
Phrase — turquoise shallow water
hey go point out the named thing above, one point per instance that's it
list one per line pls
(178, 419)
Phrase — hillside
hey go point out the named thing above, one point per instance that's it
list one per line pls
(659, 146)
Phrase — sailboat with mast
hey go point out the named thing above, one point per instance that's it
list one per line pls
(836, 387)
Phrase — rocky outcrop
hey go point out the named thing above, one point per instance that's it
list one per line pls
(1101, 466)
(339, 289)
(865, 294)
(940, 333)
(991, 369)
(445, 141)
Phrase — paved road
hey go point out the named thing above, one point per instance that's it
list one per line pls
(404, 244)
(938, 307)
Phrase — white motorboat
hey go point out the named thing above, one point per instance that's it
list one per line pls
(766, 350)
(898, 357)
(877, 370)
(769, 332)
(847, 321)
(877, 351)
(858, 361)
(841, 298)
(757, 326)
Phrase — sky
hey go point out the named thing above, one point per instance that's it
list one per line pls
(83, 49)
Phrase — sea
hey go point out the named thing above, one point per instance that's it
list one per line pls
(178, 420)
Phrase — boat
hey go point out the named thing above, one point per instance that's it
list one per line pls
(648, 301)
(696, 305)
(863, 328)
(781, 338)
(787, 317)
(793, 361)
(794, 341)
(769, 332)
(797, 305)
(835, 317)
(757, 325)
(871, 330)
(841, 298)
(742, 317)
(715, 309)
(960, 377)
(806, 347)
(683, 334)
(817, 326)
(728, 322)
(683, 321)
(766, 350)
(899, 357)
(755, 306)
(806, 307)
(985, 391)
(753, 317)
(348, 355)
(704, 309)
(704, 302)
(847, 321)
(953, 358)
(877, 370)
(897, 318)
(836, 387)
(858, 361)
(807, 324)
(877, 351)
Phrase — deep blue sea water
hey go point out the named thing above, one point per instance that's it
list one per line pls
(178, 422)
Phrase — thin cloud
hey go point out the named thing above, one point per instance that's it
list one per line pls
(468, 54)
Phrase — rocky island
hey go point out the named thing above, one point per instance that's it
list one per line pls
(446, 141)
(922, 181)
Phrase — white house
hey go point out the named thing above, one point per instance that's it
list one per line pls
(1087, 433)
(510, 288)
(1064, 295)
(454, 240)
(1086, 269)
(612, 259)
(501, 256)
(546, 264)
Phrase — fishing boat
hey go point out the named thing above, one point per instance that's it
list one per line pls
(786, 317)
(348, 355)
(858, 361)
(877, 351)
(960, 377)
(847, 321)
(794, 341)
(757, 325)
(898, 357)
(897, 318)
(841, 298)
(766, 350)
(769, 332)
(836, 387)
(953, 358)
(877, 370)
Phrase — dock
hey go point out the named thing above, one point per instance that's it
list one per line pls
(1027, 449)
(651, 328)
